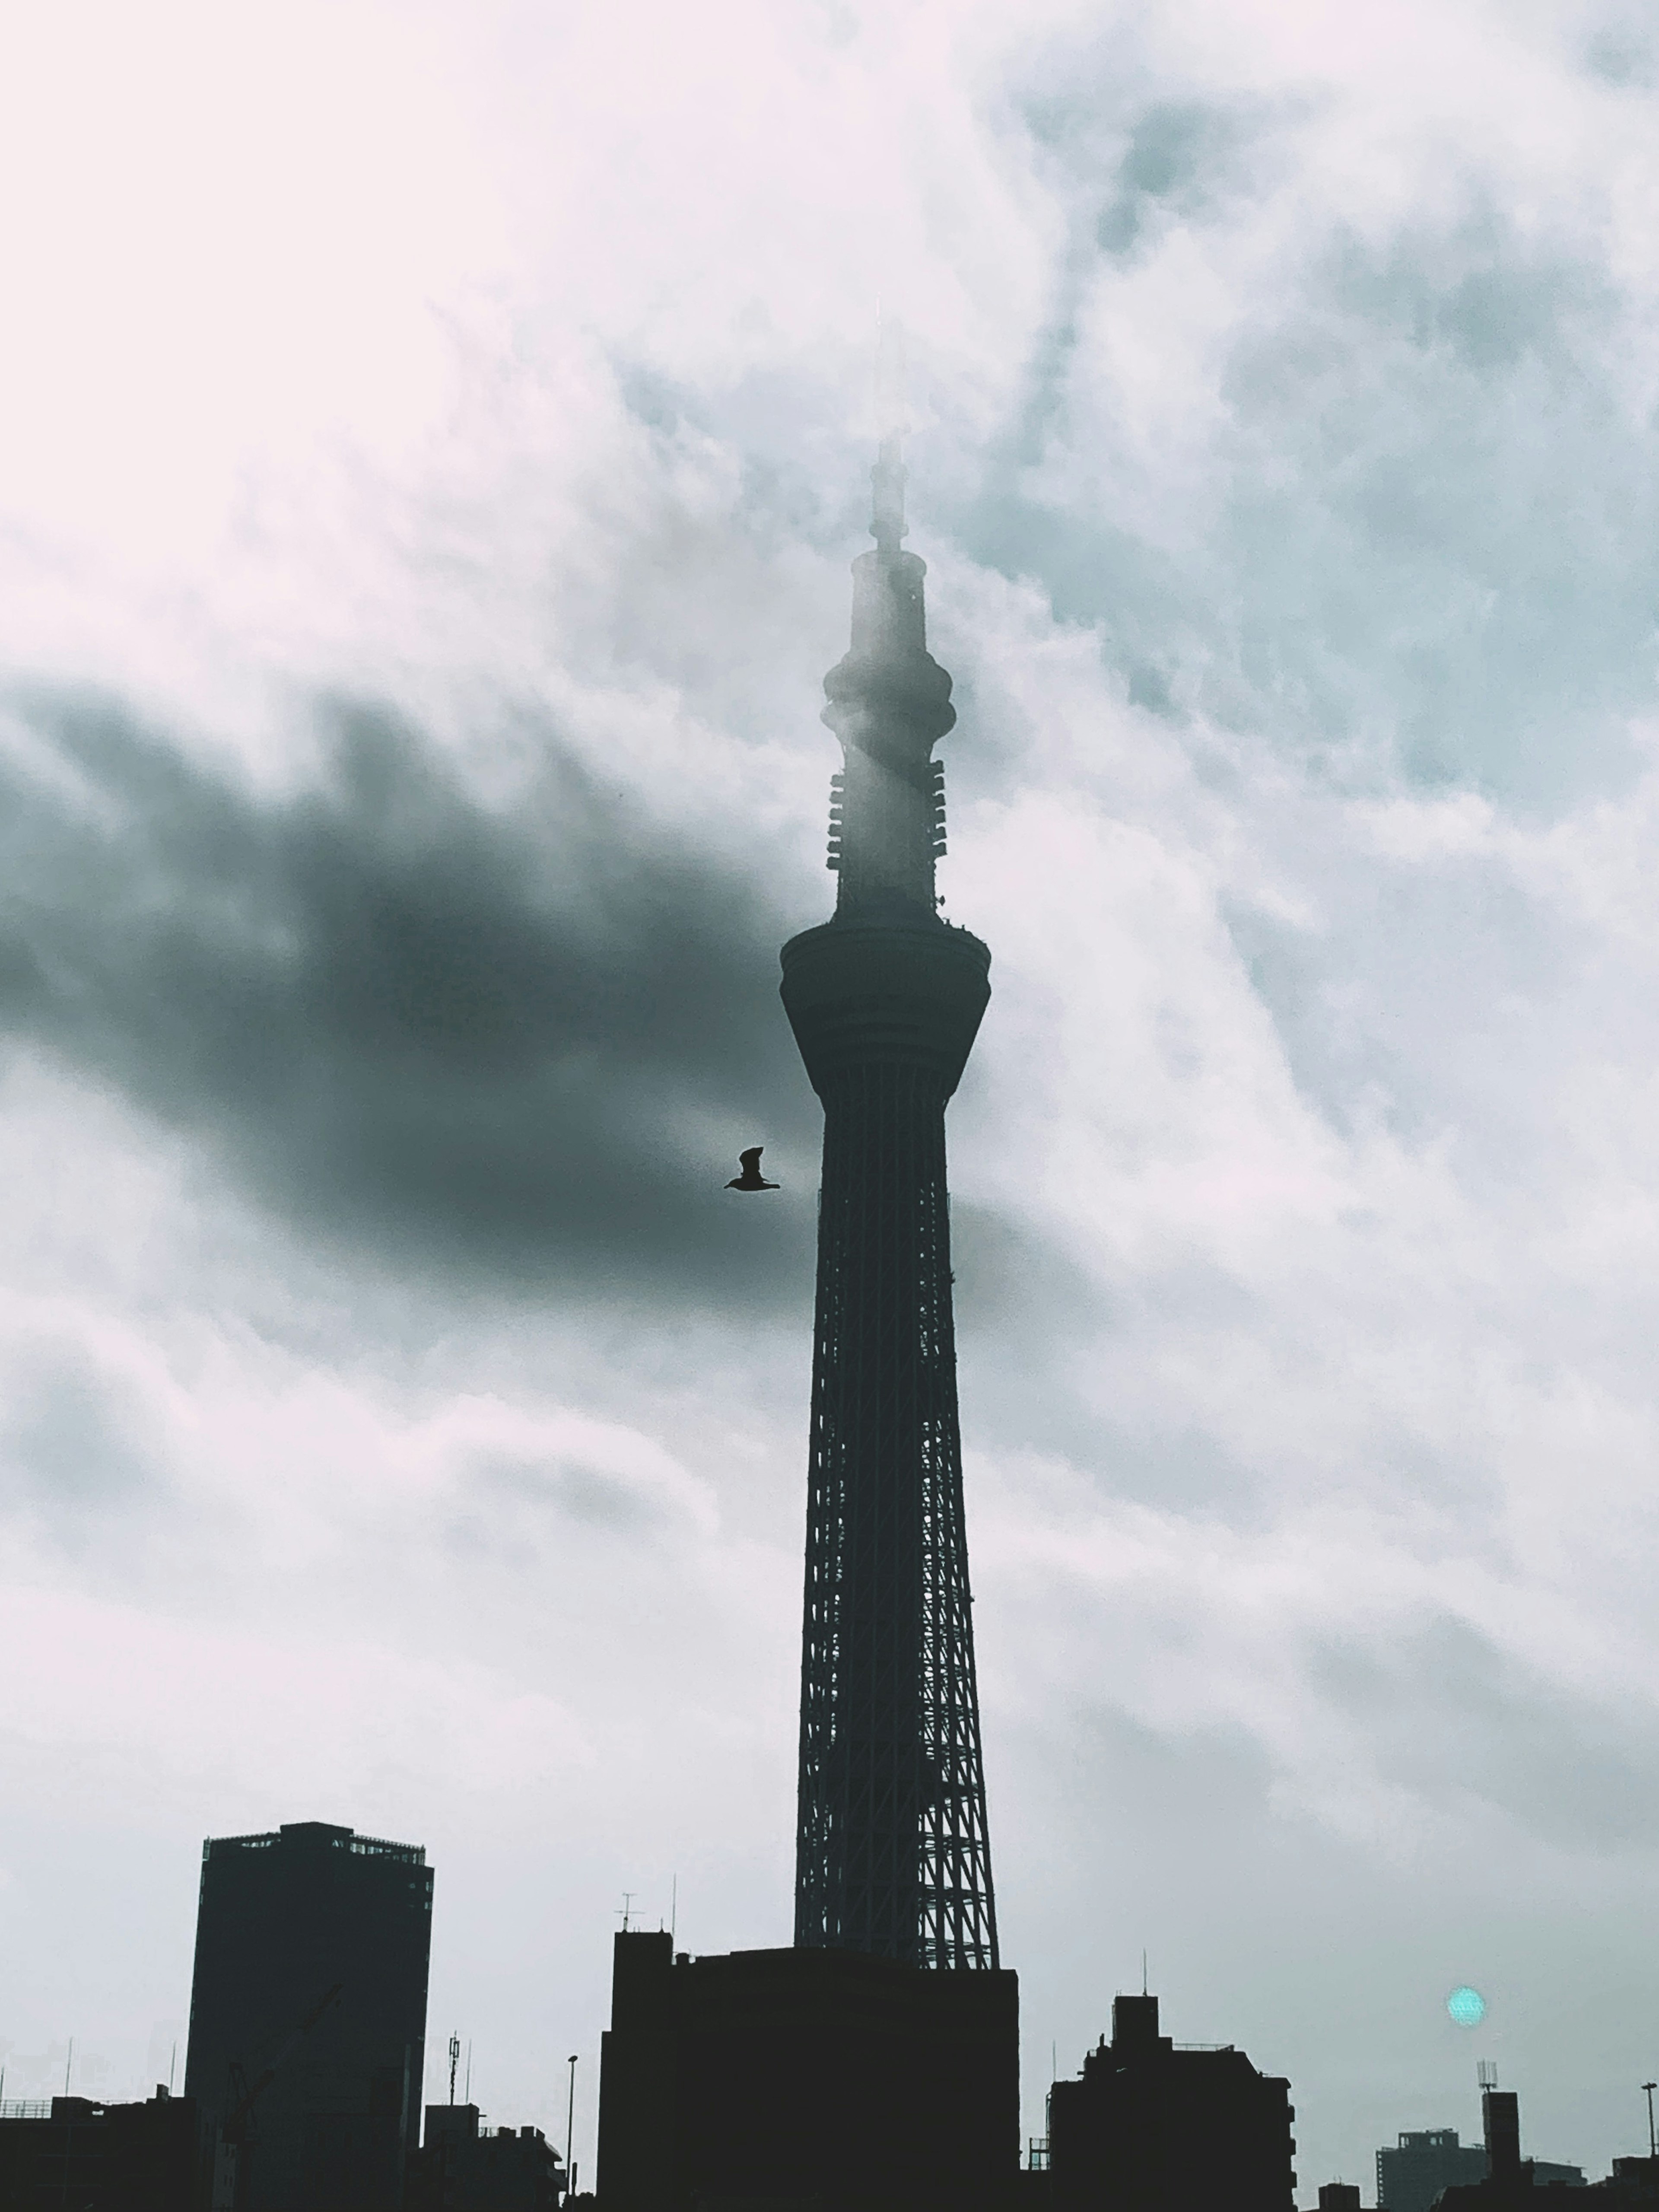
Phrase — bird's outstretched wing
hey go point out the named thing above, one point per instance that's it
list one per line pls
(750, 1161)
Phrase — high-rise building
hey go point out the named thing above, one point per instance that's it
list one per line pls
(308, 2017)
(1150, 2126)
(892, 1853)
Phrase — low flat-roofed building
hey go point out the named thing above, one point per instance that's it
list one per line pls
(75, 2154)
(806, 2077)
(464, 2167)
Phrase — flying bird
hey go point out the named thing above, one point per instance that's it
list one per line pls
(751, 1178)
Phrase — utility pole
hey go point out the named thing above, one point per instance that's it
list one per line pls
(1653, 2146)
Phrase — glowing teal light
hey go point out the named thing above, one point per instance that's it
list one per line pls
(1467, 2006)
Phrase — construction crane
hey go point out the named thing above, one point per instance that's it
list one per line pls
(231, 2161)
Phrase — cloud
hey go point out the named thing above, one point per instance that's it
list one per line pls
(1450, 1715)
(527, 1043)
(68, 1441)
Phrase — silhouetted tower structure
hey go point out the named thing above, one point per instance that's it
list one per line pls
(892, 1854)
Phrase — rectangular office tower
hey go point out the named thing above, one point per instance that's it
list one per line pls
(308, 2017)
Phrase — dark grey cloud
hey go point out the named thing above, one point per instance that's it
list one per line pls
(523, 1493)
(1451, 1717)
(520, 1043)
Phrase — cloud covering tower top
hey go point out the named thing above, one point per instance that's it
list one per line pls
(889, 703)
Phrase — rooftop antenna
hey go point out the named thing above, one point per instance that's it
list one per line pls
(172, 2062)
(1485, 2073)
(68, 2063)
(1648, 2088)
(1143, 1973)
(468, 2069)
(674, 1910)
(626, 1908)
(454, 2061)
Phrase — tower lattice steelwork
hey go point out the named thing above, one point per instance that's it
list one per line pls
(892, 1853)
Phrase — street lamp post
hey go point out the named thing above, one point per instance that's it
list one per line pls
(570, 2126)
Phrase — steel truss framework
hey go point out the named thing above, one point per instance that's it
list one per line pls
(892, 1853)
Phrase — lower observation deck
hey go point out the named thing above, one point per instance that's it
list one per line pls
(893, 991)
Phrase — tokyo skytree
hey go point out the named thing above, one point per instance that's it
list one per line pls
(892, 1853)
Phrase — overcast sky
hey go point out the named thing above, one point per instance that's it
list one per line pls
(432, 439)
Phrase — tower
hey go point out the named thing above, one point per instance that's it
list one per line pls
(308, 2016)
(892, 1854)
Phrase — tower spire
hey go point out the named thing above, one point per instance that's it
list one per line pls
(888, 478)
(887, 525)
(889, 703)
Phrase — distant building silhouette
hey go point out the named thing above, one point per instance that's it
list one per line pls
(1510, 2179)
(1152, 2126)
(1632, 2186)
(461, 2167)
(1500, 2128)
(805, 2076)
(893, 1855)
(1432, 2167)
(1338, 2196)
(1410, 2176)
(308, 2017)
(74, 2155)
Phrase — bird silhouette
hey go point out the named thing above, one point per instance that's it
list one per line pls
(751, 1178)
